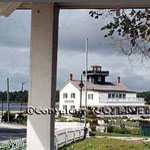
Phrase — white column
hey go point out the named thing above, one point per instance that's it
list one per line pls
(43, 64)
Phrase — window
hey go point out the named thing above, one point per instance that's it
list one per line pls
(90, 96)
(117, 95)
(72, 95)
(99, 79)
(124, 95)
(120, 95)
(113, 95)
(65, 95)
(109, 95)
(64, 107)
(72, 107)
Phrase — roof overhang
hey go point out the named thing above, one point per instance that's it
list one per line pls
(6, 8)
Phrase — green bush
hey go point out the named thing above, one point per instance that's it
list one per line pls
(61, 119)
(93, 127)
(11, 117)
(110, 129)
(124, 131)
(135, 131)
(93, 124)
(92, 133)
(115, 129)
(21, 119)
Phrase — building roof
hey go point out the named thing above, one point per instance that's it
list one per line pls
(112, 87)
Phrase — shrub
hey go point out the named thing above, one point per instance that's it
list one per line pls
(93, 124)
(21, 119)
(135, 131)
(93, 127)
(92, 133)
(110, 129)
(11, 117)
(114, 129)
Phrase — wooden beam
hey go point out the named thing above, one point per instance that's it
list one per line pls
(96, 4)
(8, 8)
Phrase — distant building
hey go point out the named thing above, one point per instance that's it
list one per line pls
(100, 92)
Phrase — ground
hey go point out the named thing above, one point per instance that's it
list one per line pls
(8, 131)
(107, 144)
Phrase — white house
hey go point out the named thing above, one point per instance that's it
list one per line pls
(100, 92)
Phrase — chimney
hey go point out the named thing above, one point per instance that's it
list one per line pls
(118, 80)
(70, 77)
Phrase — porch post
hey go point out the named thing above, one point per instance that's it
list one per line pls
(43, 64)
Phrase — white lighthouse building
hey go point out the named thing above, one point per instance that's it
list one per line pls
(99, 92)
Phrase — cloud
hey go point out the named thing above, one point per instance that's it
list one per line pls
(15, 30)
(14, 49)
(15, 65)
(74, 27)
(132, 74)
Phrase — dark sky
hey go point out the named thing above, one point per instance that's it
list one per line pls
(74, 27)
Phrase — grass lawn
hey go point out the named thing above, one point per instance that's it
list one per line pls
(116, 134)
(107, 144)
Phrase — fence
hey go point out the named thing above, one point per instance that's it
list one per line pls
(68, 135)
(65, 133)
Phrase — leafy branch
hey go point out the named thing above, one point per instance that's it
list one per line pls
(132, 28)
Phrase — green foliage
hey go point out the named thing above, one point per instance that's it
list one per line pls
(96, 133)
(91, 133)
(93, 124)
(21, 119)
(115, 129)
(11, 117)
(135, 131)
(61, 119)
(15, 96)
(146, 96)
(106, 144)
(133, 27)
(13, 146)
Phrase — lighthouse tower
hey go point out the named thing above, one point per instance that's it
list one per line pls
(96, 75)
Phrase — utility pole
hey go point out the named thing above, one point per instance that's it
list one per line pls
(22, 96)
(86, 69)
(8, 109)
(2, 110)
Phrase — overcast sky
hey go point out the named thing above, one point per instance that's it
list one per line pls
(74, 27)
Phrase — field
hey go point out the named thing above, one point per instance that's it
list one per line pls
(107, 144)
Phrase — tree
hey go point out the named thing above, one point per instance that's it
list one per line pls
(132, 28)
(146, 96)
